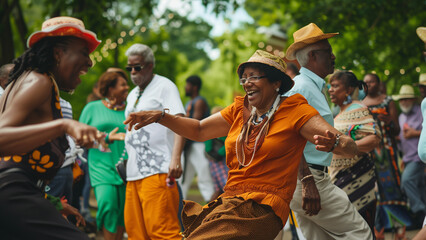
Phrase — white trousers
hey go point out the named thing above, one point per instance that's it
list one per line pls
(338, 218)
(198, 163)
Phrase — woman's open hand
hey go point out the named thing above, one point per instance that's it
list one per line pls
(142, 118)
(114, 136)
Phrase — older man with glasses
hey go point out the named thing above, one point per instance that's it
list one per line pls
(322, 210)
(152, 197)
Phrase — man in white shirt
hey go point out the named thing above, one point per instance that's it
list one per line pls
(154, 151)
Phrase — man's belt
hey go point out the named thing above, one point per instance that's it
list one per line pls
(318, 167)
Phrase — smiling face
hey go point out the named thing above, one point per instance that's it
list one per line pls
(338, 92)
(120, 90)
(260, 93)
(73, 60)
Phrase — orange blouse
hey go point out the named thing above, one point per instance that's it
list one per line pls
(271, 178)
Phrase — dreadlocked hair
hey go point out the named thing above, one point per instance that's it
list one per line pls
(39, 57)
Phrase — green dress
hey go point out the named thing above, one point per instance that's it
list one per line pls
(102, 164)
(110, 192)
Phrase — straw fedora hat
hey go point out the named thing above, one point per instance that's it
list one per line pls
(406, 91)
(421, 32)
(271, 60)
(64, 26)
(422, 79)
(308, 34)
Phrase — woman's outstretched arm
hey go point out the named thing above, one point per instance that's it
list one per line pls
(208, 128)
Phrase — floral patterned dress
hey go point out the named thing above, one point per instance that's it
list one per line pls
(356, 175)
(43, 162)
(392, 209)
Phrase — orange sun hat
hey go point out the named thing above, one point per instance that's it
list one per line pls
(64, 26)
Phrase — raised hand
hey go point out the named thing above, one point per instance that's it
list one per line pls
(114, 136)
(140, 119)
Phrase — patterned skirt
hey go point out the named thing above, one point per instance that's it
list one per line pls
(358, 182)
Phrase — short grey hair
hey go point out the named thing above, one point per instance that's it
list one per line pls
(141, 50)
(302, 55)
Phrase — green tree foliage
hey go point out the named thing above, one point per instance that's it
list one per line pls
(374, 35)
(220, 80)
(20, 18)
(177, 42)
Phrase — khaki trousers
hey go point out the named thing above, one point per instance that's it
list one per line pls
(338, 218)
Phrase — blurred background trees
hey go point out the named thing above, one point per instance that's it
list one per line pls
(377, 36)
(374, 36)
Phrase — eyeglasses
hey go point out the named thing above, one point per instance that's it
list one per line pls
(137, 68)
(251, 79)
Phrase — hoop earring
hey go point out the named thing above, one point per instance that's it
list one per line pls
(348, 100)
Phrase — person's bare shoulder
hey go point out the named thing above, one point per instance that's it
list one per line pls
(36, 83)
(34, 90)
(29, 101)
(38, 80)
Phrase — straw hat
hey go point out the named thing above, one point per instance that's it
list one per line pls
(64, 26)
(271, 60)
(406, 91)
(422, 79)
(421, 32)
(308, 34)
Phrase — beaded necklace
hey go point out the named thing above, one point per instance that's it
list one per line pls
(115, 107)
(137, 100)
(132, 110)
(265, 127)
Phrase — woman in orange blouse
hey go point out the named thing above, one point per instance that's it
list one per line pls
(266, 134)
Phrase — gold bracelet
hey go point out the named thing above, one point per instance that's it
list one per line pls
(306, 177)
(163, 113)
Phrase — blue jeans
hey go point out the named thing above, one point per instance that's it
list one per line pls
(61, 184)
(413, 184)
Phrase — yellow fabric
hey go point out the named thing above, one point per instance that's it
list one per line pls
(271, 178)
(151, 209)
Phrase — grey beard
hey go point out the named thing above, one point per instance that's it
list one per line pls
(405, 109)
